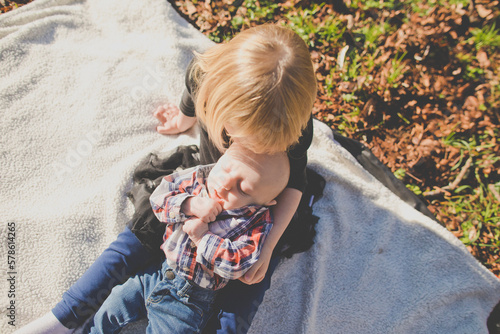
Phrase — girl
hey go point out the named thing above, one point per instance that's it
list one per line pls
(258, 89)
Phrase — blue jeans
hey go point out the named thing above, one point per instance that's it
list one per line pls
(238, 302)
(171, 304)
(124, 257)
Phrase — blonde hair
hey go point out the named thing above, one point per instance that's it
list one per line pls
(261, 84)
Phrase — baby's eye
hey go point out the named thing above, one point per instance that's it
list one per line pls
(240, 189)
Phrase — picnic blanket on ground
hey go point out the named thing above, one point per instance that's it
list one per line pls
(79, 82)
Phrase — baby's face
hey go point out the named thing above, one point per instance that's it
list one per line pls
(241, 178)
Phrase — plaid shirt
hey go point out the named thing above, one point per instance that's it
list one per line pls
(232, 245)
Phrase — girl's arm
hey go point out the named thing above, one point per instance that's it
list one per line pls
(283, 211)
(172, 120)
(288, 202)
(175, 119)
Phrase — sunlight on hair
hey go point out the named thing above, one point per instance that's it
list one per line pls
(262, 83)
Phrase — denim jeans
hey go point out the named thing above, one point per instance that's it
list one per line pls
(238, 302)
(171, 304)
(125, 257)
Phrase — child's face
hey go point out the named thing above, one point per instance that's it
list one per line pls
(241, 178)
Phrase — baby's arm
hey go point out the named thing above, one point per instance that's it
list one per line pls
(232, 256)
(167, 199)
(204, 208)
(172, 201)
(195, 229)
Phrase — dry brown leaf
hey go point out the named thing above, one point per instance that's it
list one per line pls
(483, 12)
(471, 103)
(482, 58)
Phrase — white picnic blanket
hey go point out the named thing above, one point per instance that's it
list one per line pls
(79, 82)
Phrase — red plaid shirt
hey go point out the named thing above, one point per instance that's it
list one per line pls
(232, 245)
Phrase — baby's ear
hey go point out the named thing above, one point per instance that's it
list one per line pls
(271, 203)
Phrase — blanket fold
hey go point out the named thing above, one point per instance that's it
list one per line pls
(80, 80)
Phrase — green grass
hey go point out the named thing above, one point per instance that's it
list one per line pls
(477, 147)
(473, 201)
(256, 11)
(312, 32)
(373, 4)
(397, 71)
(352, 68)
(479, 211)
(374, 34)
(487, 37)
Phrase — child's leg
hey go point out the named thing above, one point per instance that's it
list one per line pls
(171, 304)
(177, 306)
(125, 304)
(238, 304)
(125, 256)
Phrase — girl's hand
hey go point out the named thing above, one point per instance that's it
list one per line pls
(172, 120)
(195, 229)
(258, 271)
(204, 208)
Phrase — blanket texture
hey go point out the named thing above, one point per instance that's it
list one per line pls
(79, 82)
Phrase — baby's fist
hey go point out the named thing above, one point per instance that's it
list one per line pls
(204, 208)
(195, 229)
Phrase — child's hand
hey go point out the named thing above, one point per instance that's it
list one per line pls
(258, 270)
(195, 229)
(205, 208)
(172, 120)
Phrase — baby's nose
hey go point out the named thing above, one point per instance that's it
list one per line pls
(226, 182)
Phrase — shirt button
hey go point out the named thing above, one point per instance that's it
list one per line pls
(170, 274)
(193, 245)
(171, 214)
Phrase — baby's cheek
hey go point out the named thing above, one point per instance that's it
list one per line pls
(237, 202)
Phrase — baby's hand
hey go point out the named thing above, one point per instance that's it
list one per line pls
(195, 229)
(205, 208)
(172, 120)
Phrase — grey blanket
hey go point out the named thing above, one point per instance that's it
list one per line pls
(80, 80)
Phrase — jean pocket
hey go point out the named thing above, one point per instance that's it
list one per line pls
(159, 292)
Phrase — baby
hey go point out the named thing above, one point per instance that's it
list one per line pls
(217, 219)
